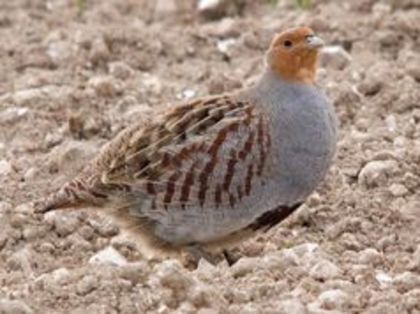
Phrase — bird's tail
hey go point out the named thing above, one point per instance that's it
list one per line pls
(73, 194)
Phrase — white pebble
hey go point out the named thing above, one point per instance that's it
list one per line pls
(369, 256)
(324, 270)
(204, 5)
(87, 285)
(398, 190)
(294, 306)
(120, 70)
(108, 256)
(335, 57)
(245, 266)
(13, 114)
(187, 94)
(224, 45)
(333, 299)
(376, 173)
(407, 281)
(5, 167)
(383, 279)
(64, 223)
(14, 307)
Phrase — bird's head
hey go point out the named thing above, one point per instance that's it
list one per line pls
(293, 54)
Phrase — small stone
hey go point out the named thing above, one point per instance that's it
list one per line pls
(350, 241)
(22, 260)
(27, 97)
(224, 46)
(223, 83)
(3, 239)
(60, 276)
(387, 241)
(18, 220)
(391, 123)
(152, 83)
(415, 263)
(53, 139)
(370, 256)
(108, 256)
(64, 223)
(411, 300)
(294, 306)
(5, 207)
(188, 93)
(335, 57)
(71, 156)
(204, 5)
(84, 125)
(105, 227)
(172, 275)
(244, 266)
(412, 66)
(333, 299)
(165, 7)
(324, 270)
(99, 52)
(410, 210)
(46, 247)
(206, 270)
(25, 208)
(407, 281)
(104, 86)
(383, 279)
(30, 174)
(14, 307)
(120, 70)
(78, 243)
(370, 86)
(207, 311)
(314, 200)
(215, 9)
(398, 190)
(58, 51)
(376, 173)
(227, 27)
(87, 285)
(5, 168)
(13, 114)
(383, 307)
(87, 232)
(136, 272)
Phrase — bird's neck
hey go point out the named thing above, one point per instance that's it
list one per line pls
(270, 88)
(295, 67)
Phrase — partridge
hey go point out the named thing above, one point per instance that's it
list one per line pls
(215, 170)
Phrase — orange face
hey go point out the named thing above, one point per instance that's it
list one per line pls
(293, 54)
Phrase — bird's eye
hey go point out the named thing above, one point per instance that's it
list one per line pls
(287, 43)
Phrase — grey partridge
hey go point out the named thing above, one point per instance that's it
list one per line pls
(214, 170)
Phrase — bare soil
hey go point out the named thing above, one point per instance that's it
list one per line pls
(72, 76)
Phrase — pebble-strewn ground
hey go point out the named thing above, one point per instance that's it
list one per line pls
(72, 77)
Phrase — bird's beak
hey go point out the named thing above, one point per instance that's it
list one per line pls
(314, 42)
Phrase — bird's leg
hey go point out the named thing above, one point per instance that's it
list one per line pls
(196, 252)
(230, 257)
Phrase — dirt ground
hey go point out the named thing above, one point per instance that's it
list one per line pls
(73, 74)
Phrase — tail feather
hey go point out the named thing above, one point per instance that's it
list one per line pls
(72, 194)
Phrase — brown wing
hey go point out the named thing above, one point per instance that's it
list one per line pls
(203, 153)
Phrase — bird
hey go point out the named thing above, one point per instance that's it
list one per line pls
(215, 170)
